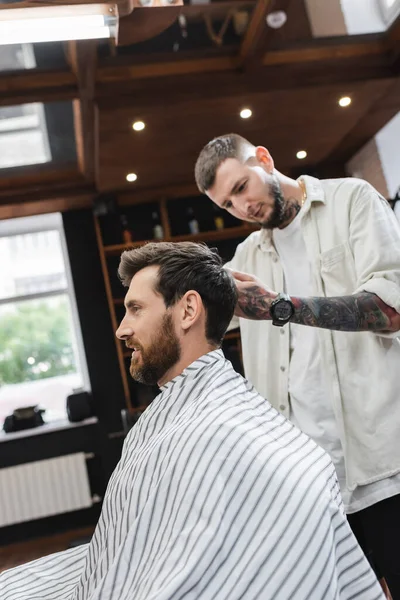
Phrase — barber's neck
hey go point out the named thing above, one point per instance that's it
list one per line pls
(294, 197)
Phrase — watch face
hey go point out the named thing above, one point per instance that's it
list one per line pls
(283, 310)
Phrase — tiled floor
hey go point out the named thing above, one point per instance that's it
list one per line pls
(17, 554)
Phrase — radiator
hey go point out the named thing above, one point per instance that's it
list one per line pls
(44, 488)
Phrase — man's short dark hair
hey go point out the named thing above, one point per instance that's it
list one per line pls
(214, 154)
(185, 266)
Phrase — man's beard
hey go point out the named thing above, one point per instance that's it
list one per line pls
(278, 215)
(162, 354)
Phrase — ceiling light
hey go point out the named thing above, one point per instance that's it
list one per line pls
(57, 23)
(345, 101)
(245, 113)
(131, 177)
(138, 126)
(276, 19)
(301, 154)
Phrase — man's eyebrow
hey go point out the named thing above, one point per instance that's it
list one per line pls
(130, 304)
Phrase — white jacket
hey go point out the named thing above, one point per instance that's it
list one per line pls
(353, 243)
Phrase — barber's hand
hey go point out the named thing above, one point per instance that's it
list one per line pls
(254, 297)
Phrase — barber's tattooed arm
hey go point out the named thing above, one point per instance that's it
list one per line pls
(360, 312)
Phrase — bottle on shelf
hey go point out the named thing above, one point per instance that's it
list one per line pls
(218, 218)
(158, 231)
(192, 221)
(126, 232)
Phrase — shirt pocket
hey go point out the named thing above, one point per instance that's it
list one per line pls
(338, 270)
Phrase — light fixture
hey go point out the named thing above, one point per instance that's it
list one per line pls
(138, 125)
(301, 154)
(57, 23)
(345, 101)
(245, 113)
(276, 19)
(131, 177)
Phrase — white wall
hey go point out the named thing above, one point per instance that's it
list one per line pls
(388, 143)
(362, 16)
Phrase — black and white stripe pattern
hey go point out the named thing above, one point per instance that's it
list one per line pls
(216, 497)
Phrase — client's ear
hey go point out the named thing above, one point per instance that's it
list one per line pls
(191, 306)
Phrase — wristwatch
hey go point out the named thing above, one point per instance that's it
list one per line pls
(281, 310)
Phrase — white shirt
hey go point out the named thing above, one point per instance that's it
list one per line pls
(216, 497)
(352, 241)
(397, 210)
(311, 403)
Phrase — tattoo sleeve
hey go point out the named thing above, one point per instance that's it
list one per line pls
(361, 312)
(254, 302)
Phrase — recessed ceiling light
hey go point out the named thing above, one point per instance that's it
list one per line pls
(345, 101)
(301, 154)
(245, 113)
(138, 125)
(276, 19)
(131, 177)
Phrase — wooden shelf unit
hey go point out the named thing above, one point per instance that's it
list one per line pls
(114, 303)
(203, 236)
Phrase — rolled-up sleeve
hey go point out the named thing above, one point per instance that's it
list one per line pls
(375, 243)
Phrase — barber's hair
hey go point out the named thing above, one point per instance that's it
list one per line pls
(214, 154)
(185, 266)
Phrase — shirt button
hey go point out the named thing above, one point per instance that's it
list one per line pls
(282, 332)
(275, 259)
(282, 407)
(283, 368)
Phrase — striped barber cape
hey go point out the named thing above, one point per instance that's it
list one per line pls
(216, 497)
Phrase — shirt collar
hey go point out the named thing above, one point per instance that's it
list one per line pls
(314, 193)
(314, 189)
(193, 369)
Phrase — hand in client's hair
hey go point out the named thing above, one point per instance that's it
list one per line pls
(254, 298)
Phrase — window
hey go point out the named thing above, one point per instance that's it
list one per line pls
(41, 350)
(390, 10)
(23, 132)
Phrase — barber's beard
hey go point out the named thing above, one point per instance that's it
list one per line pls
(277, 217)
(159, 357)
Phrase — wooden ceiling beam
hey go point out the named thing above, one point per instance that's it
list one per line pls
(46, 199)
(46, 86)
(256, 34)
(41, 207)
(115, 74)
(82, 57)
(33, 178)
(394, 43)
(260, 36)
(177, 89)
(393, 33)
(36, 86)
(332, 50)
(215, 9)
(315, 52)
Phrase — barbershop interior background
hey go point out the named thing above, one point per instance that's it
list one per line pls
(98, 140)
